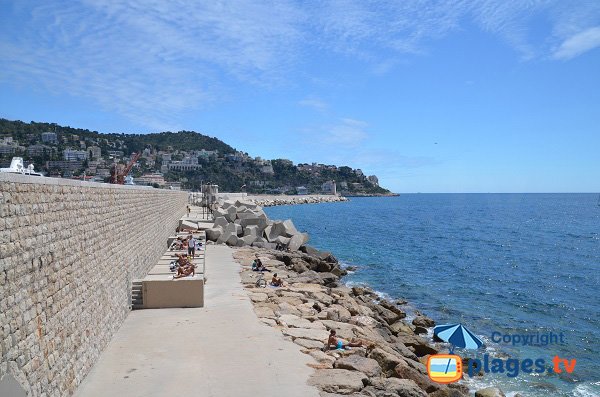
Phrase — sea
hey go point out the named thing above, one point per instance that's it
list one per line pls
(506, 266)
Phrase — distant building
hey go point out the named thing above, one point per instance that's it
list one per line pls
(7, 140)
(302, 190)
(150, 179)
(329, 188)
(7, 149)
(95, 152)
(64, 165)
(75, 155)
(373, 179)
(102, 172)
(49, 137)
(187, 164)
(166, 157)
(344, 185)
(115, 153)
(38, 150)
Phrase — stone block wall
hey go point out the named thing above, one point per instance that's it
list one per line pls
(68, 253)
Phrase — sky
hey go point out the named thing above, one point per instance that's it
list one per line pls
(430, 96)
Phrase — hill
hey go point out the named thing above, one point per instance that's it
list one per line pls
(170, 158)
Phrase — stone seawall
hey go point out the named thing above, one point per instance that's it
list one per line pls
(68, 253)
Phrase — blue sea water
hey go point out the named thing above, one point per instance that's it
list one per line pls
(508, 263)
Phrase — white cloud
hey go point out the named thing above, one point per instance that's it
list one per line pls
(314, 103)
(348, 132)
(152, 61)
(578, 44)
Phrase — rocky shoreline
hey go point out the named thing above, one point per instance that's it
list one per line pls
(314, 300)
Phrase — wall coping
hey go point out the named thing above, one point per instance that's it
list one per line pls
(44, 180)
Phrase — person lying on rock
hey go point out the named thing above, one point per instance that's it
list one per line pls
(276, 281)
(334, 343)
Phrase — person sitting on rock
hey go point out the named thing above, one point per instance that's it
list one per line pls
(276, 281)
(334, 343)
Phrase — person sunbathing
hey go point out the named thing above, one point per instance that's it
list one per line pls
(186, 270)
(334, 343)
(276, 281)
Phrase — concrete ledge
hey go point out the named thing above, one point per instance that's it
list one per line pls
(184, 292)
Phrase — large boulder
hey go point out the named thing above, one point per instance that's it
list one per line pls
(402, 387)
(423, 321)
(214, 233)
(231, 214)
(251, 230)
(489, 392)
(248, 240)
(404, 371)
(340, 381)
(289, 228)
(220, 221)
(234, 229)
(297, 240)
(367, 366)
(232, 240)
(307, 333)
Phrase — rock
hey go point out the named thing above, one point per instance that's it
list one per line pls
(401, 327)
(231, 214)
(309, 343)
(248, 240)
(445, 391)
(281, 240)
(297, 241)
(387, 361)
(423, 321)
(258, 297)
(368, 366)
(322, 357)
(214, 233)
(417, 344)
(232, 240)
(420, 330)
(306, 333)
(289, 228)
(403, 387)
(263, 311)
(338, 380)
(386, 315)
(489, 392)
(220, 221)
(328, 278)
(338, 313)
(404, 371)
(251, 230)
(404, 351)
(363, 321)
(293, 321)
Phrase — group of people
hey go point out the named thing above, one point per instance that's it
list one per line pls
(190, 243)
(258, 266)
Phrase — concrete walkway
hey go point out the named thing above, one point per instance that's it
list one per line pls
(220, 350)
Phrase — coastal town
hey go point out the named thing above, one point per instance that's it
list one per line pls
(89, 156)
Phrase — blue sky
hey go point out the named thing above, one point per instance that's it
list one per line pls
(446, 96)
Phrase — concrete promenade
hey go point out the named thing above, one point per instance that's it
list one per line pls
(220, 350)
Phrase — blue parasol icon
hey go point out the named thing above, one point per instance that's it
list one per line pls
(457, 336)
